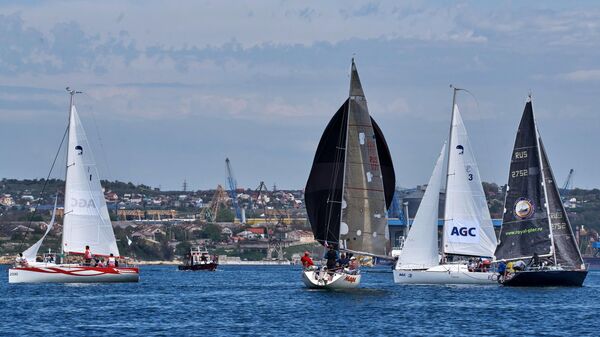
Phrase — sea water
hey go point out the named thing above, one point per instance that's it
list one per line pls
(272, 301)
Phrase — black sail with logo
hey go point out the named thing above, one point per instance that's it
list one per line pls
(567, 252)
(323, 191)
(525, 228)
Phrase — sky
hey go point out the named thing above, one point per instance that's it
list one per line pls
(173, 88)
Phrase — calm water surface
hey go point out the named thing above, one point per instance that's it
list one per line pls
(272, 301)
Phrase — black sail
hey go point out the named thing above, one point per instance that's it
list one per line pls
(324, 188)
(387, 167)
(525, 227)
(566, 250)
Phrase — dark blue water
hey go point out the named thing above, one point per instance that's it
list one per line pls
(272, 301)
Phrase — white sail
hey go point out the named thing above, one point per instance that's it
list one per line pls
(420, 249)
(468, 228)
(31, 253)
(86, 220)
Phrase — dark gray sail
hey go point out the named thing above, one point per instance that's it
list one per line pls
(566, 250)
(323, 191)
(363, 226)
(525, 227)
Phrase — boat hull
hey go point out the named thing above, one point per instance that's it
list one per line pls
(72, 274)
(546, 278)
(444, 274)
(204, 266)
(315, 279)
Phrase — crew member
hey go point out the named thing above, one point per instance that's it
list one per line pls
(87, 256)
(331, 257)
(307, 262)
(519, 265)
(344, 260)
(112, 261)
(21, 261)
(353, 265)
(501, 269)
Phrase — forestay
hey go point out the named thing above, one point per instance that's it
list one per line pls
(86, 220)
(468, 228)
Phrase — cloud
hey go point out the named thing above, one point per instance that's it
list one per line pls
(582, 75)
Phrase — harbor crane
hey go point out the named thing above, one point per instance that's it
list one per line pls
(232, 184)
(568, 185)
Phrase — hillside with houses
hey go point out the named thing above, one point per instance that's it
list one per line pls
(151, 224)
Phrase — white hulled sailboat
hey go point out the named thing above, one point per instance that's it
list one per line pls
(468, 229)
(350, 186)
(86, 222)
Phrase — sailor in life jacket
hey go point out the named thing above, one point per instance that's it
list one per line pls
(112, 261)
(87, 255)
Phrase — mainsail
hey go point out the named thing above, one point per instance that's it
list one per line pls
(352, 179)
(525, 227)
(468, 228)
(86, 219)
(420, 249)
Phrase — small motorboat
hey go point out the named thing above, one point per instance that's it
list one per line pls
(199, 259)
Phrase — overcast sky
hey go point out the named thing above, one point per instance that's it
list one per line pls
(172, 88)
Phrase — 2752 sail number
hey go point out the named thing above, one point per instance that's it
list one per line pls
(519, 173)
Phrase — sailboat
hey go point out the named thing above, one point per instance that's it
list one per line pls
(85, 222)
(468, 230)
(535, 225)
(349, 189)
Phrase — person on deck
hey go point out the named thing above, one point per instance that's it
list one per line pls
(519, 265)
(112, 261)
(535, 260)
(307, 262)
(21, 261)
(501, 270)
(353, 265)
(331, 257)
(343, 261)
(87, 256)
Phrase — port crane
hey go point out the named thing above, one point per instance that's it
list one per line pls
(232, 184)
(210, 211)
(568, 185)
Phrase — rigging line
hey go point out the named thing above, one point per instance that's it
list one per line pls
(44, 187)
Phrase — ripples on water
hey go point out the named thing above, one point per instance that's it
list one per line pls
(272, 301)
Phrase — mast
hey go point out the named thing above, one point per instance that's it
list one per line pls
(537, 140)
